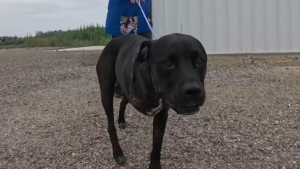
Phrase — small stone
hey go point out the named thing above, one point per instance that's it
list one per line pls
(297, 144)
(276, 122)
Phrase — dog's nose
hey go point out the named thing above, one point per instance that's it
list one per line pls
(193, 91)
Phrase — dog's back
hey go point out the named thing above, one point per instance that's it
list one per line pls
(115, 46)
(117, 51)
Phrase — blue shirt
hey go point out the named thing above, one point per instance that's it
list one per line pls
(124, 8)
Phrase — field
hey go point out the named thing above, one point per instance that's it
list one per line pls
(51, 116)
(86, 35)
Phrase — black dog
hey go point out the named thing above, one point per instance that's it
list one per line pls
(155, 75)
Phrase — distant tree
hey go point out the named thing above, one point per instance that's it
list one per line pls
(38, 33)
(2, 39)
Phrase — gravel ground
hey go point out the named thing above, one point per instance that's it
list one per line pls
(51, 116)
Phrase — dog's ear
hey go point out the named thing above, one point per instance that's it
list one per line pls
(144, 51)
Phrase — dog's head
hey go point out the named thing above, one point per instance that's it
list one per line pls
(178, 64)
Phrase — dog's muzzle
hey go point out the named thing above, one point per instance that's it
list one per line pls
(188, 110)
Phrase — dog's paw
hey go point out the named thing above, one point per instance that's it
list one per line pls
(122, 125)
(155, 165)
(121, 160)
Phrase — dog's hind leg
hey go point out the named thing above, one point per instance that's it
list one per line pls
(107, 78)
(121, 120)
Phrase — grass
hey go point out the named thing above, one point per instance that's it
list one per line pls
(8, 46)
(89, 35)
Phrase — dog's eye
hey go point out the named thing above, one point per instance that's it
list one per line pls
(168, 63)
(199, 62)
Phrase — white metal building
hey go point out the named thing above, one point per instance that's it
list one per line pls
(232, 26)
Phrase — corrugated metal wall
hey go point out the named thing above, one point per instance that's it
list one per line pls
(232, 26)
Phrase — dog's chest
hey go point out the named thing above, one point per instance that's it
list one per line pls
(145, 109)
(155, 110)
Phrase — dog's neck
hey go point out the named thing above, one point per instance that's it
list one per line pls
(143, 88)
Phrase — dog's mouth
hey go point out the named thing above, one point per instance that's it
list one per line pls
(187, 110)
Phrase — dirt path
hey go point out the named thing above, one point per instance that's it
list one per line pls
(51, 116)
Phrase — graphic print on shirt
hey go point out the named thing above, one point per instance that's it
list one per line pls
(128, 25)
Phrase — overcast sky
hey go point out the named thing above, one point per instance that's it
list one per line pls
(19, 17)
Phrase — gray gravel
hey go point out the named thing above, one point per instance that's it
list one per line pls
(51, 116)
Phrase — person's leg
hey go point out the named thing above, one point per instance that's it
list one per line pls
(118, 89)
(147, 34)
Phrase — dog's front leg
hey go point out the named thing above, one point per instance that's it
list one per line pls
(159, 125)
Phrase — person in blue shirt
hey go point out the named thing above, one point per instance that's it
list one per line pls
(125, 17)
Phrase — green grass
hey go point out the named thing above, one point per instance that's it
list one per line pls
(8, 46)
(89, 35)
